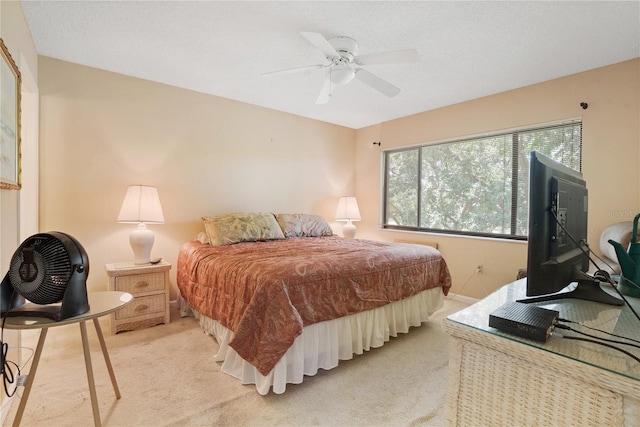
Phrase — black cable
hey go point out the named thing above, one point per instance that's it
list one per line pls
(6, 366)
(596, 329)
(609, 279)
(604, 344)
(607, 264)
(613, 285)
(598, 257)
(8, 377)
(594, 339)
(568, 328)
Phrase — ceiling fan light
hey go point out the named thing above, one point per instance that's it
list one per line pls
(341, 75)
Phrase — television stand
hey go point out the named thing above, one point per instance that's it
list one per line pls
(500, 379)
(588, 290)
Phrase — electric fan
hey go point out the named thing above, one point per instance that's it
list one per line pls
(46, 269)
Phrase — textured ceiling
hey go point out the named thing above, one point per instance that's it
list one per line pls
(467, 49)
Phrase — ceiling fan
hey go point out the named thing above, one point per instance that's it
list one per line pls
(344, 64)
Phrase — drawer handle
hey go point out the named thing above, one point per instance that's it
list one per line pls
(142, 284)
(141, 307)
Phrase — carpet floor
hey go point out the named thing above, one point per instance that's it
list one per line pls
(167, 377)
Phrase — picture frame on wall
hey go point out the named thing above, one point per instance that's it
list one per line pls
(10, 81)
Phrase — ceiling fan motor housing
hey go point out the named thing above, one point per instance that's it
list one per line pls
(346, 47)
(341, 72)
(46, 269)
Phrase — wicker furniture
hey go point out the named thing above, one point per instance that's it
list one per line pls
(500, 379)
(149, 285)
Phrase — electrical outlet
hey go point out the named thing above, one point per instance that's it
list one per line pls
(479, 268)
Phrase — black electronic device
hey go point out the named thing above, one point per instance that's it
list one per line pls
(558, 254)
(47, 269)
(524, 320)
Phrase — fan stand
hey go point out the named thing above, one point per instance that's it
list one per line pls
(74, 302)
(9, 297)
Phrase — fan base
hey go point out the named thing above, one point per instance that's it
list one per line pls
(54, 312)
(31, 310)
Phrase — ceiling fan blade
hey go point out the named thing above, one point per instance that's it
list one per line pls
(295, 70)
(321, 43)
(377, 83)
(325, 92)
(391, 57)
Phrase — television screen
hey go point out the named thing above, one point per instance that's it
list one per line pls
(558, 254)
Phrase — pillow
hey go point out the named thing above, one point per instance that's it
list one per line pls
(233, 228)
(620, 232)
(202, 237)
(303, 225)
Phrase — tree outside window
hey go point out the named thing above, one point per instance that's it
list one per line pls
(473, 186)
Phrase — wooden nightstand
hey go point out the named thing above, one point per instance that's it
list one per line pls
(149, 285)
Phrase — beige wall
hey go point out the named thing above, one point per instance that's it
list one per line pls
(611, 140)
(18, 209)
(100, 132)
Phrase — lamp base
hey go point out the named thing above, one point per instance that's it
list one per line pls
(141, 240)
(349, 230)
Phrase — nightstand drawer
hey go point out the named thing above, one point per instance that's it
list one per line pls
(139, 283)
(149, 285)
(143, 306)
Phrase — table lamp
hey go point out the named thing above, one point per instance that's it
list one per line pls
(141, 205)
(348, 211)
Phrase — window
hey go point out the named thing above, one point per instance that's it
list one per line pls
(472, 186)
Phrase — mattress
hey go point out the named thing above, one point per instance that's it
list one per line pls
(266, 293)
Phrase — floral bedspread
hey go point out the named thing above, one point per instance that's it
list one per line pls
(266, 292)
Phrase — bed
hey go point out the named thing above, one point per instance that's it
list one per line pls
(284, 297)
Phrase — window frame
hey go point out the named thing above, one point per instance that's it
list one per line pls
(514, 178)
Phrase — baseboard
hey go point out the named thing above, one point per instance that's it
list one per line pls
(462, 298)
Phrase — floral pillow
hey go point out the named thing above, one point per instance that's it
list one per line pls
(231, 228)
(303, 225)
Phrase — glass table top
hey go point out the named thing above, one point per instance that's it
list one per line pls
(100, 304)
(616, 320)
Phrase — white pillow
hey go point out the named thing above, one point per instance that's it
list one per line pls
(619, 232)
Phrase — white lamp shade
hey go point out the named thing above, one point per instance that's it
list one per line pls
(348, 209)
(141, 204)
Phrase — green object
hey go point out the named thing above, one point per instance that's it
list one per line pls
(630, 263)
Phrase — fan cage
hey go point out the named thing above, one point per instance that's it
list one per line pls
(42, 278)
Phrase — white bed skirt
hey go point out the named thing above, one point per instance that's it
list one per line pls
(324, 344)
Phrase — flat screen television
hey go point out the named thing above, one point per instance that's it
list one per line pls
(558, 255)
